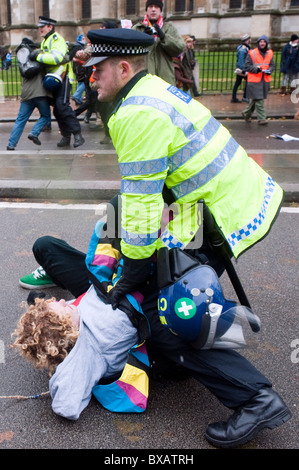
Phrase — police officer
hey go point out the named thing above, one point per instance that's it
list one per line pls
(59, 75)
(165, 138)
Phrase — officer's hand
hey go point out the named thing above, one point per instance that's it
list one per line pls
(148, 30)
(268, 72)
(159, 31)
(33, 55)
(258, 69)
(122, 287)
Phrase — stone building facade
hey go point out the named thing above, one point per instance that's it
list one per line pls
(205, 19)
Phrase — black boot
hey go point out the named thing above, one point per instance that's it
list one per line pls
(78, 140)
(265, 410)
(64, 142)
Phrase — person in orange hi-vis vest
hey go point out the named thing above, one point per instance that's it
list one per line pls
(259, 66)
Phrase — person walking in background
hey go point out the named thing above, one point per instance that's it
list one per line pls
(78, 69)
(259, 65)
(8, 59)
(3, 58)
(54, 56)
(33, 95)
(168, 42)
(289, 65)
(242, 51)
(188, 62)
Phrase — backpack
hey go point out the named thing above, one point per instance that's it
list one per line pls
(28, 68)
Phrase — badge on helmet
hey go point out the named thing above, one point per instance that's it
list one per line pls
(193, 307)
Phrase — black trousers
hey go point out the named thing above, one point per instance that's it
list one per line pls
(238, 82)
(227, 374)
(63, 112)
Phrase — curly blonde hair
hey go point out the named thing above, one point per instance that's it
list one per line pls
(44, 338)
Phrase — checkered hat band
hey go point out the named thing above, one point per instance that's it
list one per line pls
(109, 49)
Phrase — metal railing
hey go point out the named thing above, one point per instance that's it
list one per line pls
(216, 73)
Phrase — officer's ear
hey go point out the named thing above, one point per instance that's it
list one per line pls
(125, 69)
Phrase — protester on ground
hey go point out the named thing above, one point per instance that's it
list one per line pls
(33, 95)
(168, 42)
(78, 69)
(54, 55)
(165, 140)
(242, 51)
(79, 343)
(289, 65)
(259, 66)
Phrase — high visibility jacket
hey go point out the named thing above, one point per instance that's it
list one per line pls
(262, 62)
(163, 136)
(55, 56)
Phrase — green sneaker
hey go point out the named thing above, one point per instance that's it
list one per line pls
(37, 279)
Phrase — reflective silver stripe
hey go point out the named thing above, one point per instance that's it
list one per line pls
(198, 139)
(141, 187)
(235, 237)
(207, 173)
(144, 167)
(139, 239)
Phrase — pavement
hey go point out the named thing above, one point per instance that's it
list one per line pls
(91, 172)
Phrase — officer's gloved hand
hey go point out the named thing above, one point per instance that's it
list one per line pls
(159, 31)
(148, 30)
(33, 55)
(134, 273)
(122, 287)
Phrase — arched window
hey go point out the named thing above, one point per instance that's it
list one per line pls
(130, 7)
(86, 9)
(180, 5)
(46, 8)
(8, 12)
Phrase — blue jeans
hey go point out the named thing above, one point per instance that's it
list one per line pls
(79, 91)
(26, 109)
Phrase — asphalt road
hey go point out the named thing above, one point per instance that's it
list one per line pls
(177, 413)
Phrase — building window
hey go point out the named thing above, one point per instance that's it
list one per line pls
(86, 9)
(249, 4)
(180, 5)
(8, 12)
(46, 9)
(294, 3)
(130, 7)
(235, 4)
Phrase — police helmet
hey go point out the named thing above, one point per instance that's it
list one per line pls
(52, 81)
(194, 308)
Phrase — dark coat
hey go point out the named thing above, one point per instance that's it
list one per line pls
(289, 59)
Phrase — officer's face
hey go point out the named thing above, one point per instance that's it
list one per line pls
(108, 79)
(43, 30)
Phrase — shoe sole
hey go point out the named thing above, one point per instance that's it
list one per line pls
(81, 143)
(33, 287)
(34, 141)
(272, 423)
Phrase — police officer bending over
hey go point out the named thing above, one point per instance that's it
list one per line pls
(164, 138)
(59, 74)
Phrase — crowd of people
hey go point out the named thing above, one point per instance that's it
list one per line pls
(171, 57)
(170, 150)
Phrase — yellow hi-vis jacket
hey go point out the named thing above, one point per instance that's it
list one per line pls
(163, 136)
(55, 56)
